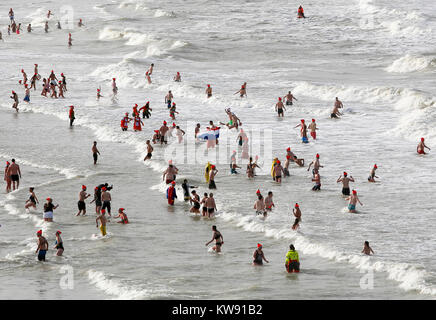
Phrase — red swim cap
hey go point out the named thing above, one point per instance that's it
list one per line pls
(280, 99)
(127, 113)
(258, 191)
(296, 205)
(62, 73)
(22, 70)
(213, 166)
(39, 232)
(136, 104)
(259, 245)
(317, 155)
(13, 91)
(113, 79)
(313, 120)
(164, 122)
(26, 85)
(289, 149)
(208, 85)
(173, 183)
(422, 139)
(174, 124)
(278, 162)
(354, 192)
(83, 187)
(302, 120)
(52, 71)
(122, 209)
(157, 131)
(345, 174)
(58, 232)
(375, 166)
(48, 199)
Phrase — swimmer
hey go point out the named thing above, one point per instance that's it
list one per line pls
(163, 133)
(42, 246)
(292, 263)
(367, 249)
(7, 178)
(81, 203)
(269, 203)
(114, 87)
(168, 98)
(177, 77)
(99, 94)
(26, 94)
(297, 215)
(259, 206)
(219, 240)
(48, 210)
(170, 174)
(316, 165)
(313, 128)
(303, 131)
(97, 200)
(173, 111)
(122, 215)
(213, 172)
(61, 89)
(421, 147)
(258, 256)
(280, 107)
(197, 130)
(372, 174)
(288, 98)
(195, 202)
(210, 205)
(15, 98)
(278, 170)
(24, 76)
(171, 193)
(317, 179)
(59, 244)
(353, 201)
(345, 183)
(95, 152)
(29, 28)
(186, 187)
(300, 12)
(147, 76)
(49, 14)
(59, 25)
(150, 70)
(293, 157)
(146, 110)
(70, 40)
(234, 167)
(32, 201)
(242, 92)
(203, 202)
(80, 23)
(14, 173)
(71, 115)
(106, 199)
(149, 151)
(103, 221)
(209, 91)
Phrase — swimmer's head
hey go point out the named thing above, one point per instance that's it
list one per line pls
(83, 187)
(317, 155)
(280, 99)
(345, 174)
(302, 120)
(205, 194)
(103, 211)
(258, 191)
(120, 210)
(214, 228)
(113, 79)
(58, 232)
(313, 120)
(208, 85)
(31, 189)
(194, 192)
(289, 149)
(292, 247)
(354, 192)
(296, 205)
(259, 246)
(147, 142)
(39, 233)
(173, 183)
(48, 199)
(165, 123)
(422, 139)
(375, 166)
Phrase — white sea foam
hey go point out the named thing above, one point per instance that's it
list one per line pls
(411, 63)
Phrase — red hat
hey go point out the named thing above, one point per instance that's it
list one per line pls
(96, 188)
(71, 106)
(354, 192)
(60, 81)
(317, 155)
(208, 85)
(7, 163)
(127, 113)
(48, 199)
(103, 188)
(13, 91)
(39, 232)
(289, 149)
(259, 245)
(113, 79)
(98, 90)
(157, 131)
(174, 124)
(121, 209)
(302, 120)
(36, 64)
(174, 103)
(178, 72)
(288, 157)
(22, 70)
(52, 71)
(280, 99)
(278, 162)
(296, 205)
(258, 191)
(27, 85)
(173, 183)
(83, 187)
(375, 166)
(103, 210)
(58, 232)
(62, 73)
(213, 166)
(313, 120)
(164, 122)
(19, 81)
(422, 139)
(136, 104)
(345, 174)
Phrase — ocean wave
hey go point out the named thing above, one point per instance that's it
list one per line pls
(411, 63)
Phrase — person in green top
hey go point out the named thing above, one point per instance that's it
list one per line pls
(292, 260)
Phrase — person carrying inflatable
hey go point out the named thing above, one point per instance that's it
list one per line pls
(292, 260)
(301, 12)
(171, 193)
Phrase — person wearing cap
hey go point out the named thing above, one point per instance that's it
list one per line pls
(269, 203)
(259, 205)
(173, 111)
(97, 200)
(64, 82)
(147, 76)
(42, 246)
(168, 98)
(49, 207)
(170, 173)
(33, 81)
(280, 107)
(106, 199)
(59, 244)
(353, 201)
(186, 187)
(26, 93)
(303, 131)
(70, 40)
(14, 173)
(32, 201)
(300, 12)
(288, 98)
(345, 183)
(209, 91)
(99, 93)
(122, 215)
(292, 263)
(210, 205)
(292, 157)
(146, 110)
(171, 193)
(177, 77)
(421, 147)
(242, 92)
(372, 174)
(313, 128)
(80, 23)
(15, 98)
(297, 215)
(125, 122)
(7, 178)
(24, 76)
(149, 150)
(278, 170)
(212, 173)
(195, 201)
(163, 133)
(61, 89)
(258, 256)
(316, 165)
(219, 240)
(101, 217)
(71, 114)
(81, 203)
(95, 152)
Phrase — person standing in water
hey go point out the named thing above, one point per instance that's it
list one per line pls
(195, 202)
(421, 147)
(297, 215)
(353, 201)
(372, 174)
(49, 207)
(258, 256)
(345, 183)
(313, 128)
(186, 187)
(288, 98)
(15, 98)
(95, 152)
(367, 249)
(209, 91)
(33, 200)
(149, 150)
(7, 178)
(269, 203)
(106, 198)
(300, 12)
(317, 179)
(213, 172)
(303, 131)
(71, 115)
(280, 107)
(177, 77)
(103, 221)
(59, 244)
(292, 263)
(219, 240)
(203, 202)
(242, 92)
(42, 246)
(316, 165)
(210, 205)
(14, 173)
(259, 206)
(81, 203)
